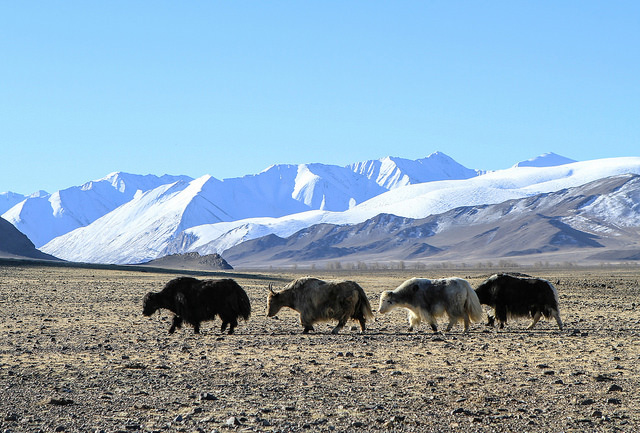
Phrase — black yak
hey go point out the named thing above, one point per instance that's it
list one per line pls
(428, 299)
(194, 301)
(318, 301)
(514, 296)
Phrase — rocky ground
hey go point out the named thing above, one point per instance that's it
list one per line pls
(76, 354)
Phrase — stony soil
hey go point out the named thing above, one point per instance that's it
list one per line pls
(76, 354)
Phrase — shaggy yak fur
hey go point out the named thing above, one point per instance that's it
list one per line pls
(515, 296)
(318, 301)
(428, 299)
(194, 301)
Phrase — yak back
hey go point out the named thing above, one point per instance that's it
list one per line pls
(322, 299)
(518, 294)
(423, 292)
(205, 298)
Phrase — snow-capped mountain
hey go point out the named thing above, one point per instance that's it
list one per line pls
(9, 200)
(596, 221)
(416, 201)
(206, 215)
(277, 191)
(147, 226)
(43, 216)
(545, 160)
(392, 173)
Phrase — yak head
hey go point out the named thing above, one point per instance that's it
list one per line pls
(150, 304)
(274, 302)
(387, 302)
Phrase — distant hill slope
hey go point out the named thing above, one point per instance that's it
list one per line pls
(192, 261)
(14, 244)
(585, 221)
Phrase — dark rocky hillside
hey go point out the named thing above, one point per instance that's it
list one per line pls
(191, 261)
(14, 244)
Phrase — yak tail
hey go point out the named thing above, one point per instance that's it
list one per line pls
(472, 305)
(363, 305)
(244, 305)
(241, 303)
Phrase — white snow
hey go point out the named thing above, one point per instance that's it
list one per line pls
(43, 216)
(177, 217)
(545, 160)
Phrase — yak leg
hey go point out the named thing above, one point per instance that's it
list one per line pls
(307, 328)
(491, 320)
(232, 325)
(434, 324)
(414, 320)
(450, 325)
(556, 315)
(363, 323)
(536, 317)
(177, 323)
(196, 328)
(224, 326)
(466, 323)
(339, 326)
(501, 315)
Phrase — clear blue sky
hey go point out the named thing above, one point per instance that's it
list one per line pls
(228, 88)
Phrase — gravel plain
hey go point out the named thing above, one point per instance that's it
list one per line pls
(76, 355)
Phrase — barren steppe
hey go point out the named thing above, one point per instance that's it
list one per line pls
(76, 354)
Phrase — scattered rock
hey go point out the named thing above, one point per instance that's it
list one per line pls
(603, 378)
(58, 401)
(232, 421)
(208, 396)
(614, 388)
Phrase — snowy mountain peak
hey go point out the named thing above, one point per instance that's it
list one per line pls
(9, 200)
(43, 217)
(130, 183)
(549, 159)
(393, 172)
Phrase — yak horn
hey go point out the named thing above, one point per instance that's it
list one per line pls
(271, 289)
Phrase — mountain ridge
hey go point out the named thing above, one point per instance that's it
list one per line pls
(145, 217)
(543, 224)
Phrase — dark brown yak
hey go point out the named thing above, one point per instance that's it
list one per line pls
(318, 301)
(194, 301)
(513, 296)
